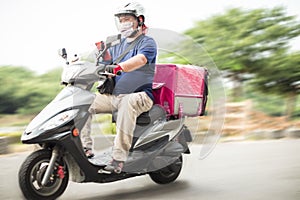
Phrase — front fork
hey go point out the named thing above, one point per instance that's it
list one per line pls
(50, 168)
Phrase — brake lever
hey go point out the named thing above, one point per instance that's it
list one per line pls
(101, 72)
(106, 74)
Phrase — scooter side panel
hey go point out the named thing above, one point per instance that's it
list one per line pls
(69, 97)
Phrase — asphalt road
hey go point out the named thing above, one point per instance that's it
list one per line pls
(235, 170)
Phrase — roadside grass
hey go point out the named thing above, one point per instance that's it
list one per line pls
(15, 120)
(12, 137)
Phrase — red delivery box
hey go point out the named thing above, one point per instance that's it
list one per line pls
(181, 89)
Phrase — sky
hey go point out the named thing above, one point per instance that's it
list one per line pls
(32, 31)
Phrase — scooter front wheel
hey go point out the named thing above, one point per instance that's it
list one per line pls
(167, 174)
(32, 172)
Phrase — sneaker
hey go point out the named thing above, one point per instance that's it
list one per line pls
(115, 166)
(88, 152)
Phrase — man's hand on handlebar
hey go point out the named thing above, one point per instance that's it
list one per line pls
(114, 69)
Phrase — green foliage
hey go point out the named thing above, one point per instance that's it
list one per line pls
(23, 92)
(271, 104)
(11, 81)
(172, 58)
(240, 41)
(283, 77)
(107, 127)
(254, 42)
(103, 118)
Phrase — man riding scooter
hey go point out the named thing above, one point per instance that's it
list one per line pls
(151, 143)
(133, 87)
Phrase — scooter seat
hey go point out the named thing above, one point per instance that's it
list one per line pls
(142, 120)
(157, 111)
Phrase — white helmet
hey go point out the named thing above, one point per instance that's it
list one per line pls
(132, 8)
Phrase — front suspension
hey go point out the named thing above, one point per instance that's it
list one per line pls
(50, 168)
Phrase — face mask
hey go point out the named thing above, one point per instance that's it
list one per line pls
(126, 29)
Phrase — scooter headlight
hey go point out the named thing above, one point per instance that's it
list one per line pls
(59, 119)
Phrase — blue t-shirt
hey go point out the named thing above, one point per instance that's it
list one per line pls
(140, 79)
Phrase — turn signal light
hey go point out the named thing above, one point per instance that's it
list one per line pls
(75, 132)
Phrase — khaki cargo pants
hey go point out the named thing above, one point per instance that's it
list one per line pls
(129, 107)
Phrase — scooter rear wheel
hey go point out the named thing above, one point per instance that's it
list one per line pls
(32, 172)
(167, 174)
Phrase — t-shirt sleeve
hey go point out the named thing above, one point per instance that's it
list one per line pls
(148, 48)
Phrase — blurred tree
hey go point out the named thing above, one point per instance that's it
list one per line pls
(282, 77)
(40, 91)
(242, 42)
(24, 92)
(11, 94)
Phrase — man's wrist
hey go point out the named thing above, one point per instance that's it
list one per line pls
(118, 69)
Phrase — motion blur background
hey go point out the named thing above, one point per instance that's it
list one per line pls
(254, 44)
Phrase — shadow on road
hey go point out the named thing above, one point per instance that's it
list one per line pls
(149, 192)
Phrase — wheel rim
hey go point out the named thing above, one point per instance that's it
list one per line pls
(36, 176)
